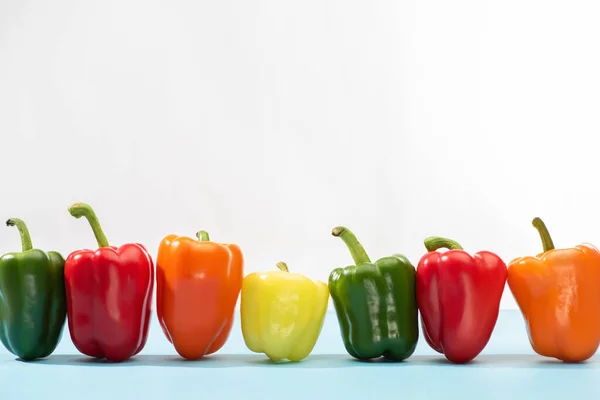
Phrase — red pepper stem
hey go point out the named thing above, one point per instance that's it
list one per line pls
(79, 210)
(359, 255)
(23, 231)
(544, 234)
(282, 266)
(435, 242)
(203, 236)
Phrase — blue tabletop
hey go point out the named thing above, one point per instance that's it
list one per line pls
(506, 368)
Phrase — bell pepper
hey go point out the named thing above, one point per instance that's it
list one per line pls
(109, 293)
(198, 283)
(32, 299)
(558, 293)
(375, 303)
(282, 313)
(459, 298)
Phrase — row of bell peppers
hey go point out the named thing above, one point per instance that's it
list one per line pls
(107, 294)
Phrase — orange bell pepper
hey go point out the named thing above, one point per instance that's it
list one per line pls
(197, 287)
(558, 293)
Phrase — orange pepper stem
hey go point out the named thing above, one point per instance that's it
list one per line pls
(544, 234)
(23, 231)
(79, 210)
(433, 243)
(282, 266)
(359, 255)
(203, 236)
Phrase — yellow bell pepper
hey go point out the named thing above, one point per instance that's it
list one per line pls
(282, 313)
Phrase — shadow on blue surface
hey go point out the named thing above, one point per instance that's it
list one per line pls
(319, 361)
(507, 369)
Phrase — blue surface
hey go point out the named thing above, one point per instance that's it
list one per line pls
(507, 368)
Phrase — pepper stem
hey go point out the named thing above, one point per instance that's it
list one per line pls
(79, 210)
(282, 266)
(544, 234)
(203, 236)
(436, 242)
(359, 255)
(23, 231)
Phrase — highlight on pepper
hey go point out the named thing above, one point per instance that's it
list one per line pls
(198, 285)
(282, 313)
(379, 298)
(557, 292)
(109, 293)
(33, 307)
(459, 298)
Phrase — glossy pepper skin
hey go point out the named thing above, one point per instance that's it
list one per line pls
(459, 298)
(198, 283)
(375, 303)
(558, 293)
(282, 313)
(109, 293)
(32, 299)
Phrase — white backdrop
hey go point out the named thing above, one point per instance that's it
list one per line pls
(269, 122)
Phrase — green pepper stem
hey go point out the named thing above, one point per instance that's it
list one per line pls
(359, 255)
(544, 234)
(436, 242)
(79, 210)
(23, 231)
(282, 266)
(203, 236)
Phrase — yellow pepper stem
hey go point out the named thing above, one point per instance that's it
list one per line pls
(282, 266)
(544, 234)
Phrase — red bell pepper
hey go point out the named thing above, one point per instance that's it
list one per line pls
(109, 294)
(458, 296)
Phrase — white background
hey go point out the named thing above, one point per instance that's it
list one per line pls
(269, 122)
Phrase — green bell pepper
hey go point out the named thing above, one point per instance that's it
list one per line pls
(375, 303)
(33, 306)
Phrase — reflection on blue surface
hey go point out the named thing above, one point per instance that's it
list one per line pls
(506, 368)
